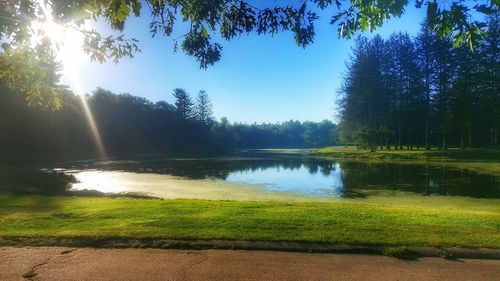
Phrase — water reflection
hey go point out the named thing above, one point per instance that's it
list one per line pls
(312, 180)
(304, 176)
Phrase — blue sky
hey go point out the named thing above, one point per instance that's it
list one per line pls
(258, 79)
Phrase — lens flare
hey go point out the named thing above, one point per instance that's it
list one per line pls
(67, 41)
(88, 114)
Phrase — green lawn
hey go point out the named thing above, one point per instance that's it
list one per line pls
(462, 222)
(477, 159)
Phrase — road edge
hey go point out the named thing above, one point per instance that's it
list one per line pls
(402, 251)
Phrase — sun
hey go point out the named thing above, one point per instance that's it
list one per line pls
(54, 32)
(67, 42)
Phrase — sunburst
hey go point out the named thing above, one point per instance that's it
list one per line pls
(67, 42)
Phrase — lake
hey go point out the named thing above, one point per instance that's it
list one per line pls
(274, 177)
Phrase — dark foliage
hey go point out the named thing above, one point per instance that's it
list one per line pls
(421, 92)
(130, 124)
(229, 19)
(22, 180)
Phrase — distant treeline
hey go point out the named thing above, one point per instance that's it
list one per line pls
(129, 123)
(422, 91)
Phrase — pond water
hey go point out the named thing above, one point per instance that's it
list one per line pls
(256, 178)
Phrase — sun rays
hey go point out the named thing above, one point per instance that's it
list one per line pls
(67, 42)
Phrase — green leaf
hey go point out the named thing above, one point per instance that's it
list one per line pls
(431, 12)
(122, 12)
(204, 31)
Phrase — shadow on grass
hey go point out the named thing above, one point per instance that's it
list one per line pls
(28, 204)
(30, 181)
(402, 253)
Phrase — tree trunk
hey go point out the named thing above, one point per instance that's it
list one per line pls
(496, 137)
(491, 137)
(399, 134)
(462, 139)
(427, 134)
(444, 141)
(470, 133)
(495, 125)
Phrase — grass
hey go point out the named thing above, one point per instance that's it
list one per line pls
(366, 222)
(29, 274)
(442, 253)
(453, 154)
(480, 160)
(403, 253)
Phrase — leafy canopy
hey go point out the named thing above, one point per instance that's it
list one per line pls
(208, 21)
(230, 19)
(32, 74)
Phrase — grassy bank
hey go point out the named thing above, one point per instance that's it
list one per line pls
(481, 160)
(452, 154)
(466, 223)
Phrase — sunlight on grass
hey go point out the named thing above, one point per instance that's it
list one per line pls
(351, 222)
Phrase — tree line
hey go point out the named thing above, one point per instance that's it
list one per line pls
(423, 91)
(128, 123)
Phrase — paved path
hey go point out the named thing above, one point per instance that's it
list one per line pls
(66, 264)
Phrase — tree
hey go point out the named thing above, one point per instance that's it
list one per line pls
(366, 89)
(422, 91)
(206, 20)
(444, 78)
(204, 108)
(320, 134)
(488, 87)
(462, 100)
(425, 51)
(33, 74)
(184, 106)
(132, 124)
(365, 138)
(229, 18)
(406, 87)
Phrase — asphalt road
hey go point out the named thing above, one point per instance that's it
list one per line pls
(82, 264)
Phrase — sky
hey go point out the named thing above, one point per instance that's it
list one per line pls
(258, 79)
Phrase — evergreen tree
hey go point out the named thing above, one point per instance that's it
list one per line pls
(488, 76)
(425, 52)
(184, 106)
(422, 91)
(204, 108)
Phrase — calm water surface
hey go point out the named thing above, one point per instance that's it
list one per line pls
(301, 176)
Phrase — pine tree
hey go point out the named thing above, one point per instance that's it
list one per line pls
(425, 52)
(204, 108)
(184, 106)
(489, 80)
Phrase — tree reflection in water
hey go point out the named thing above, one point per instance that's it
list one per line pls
(319, 177)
